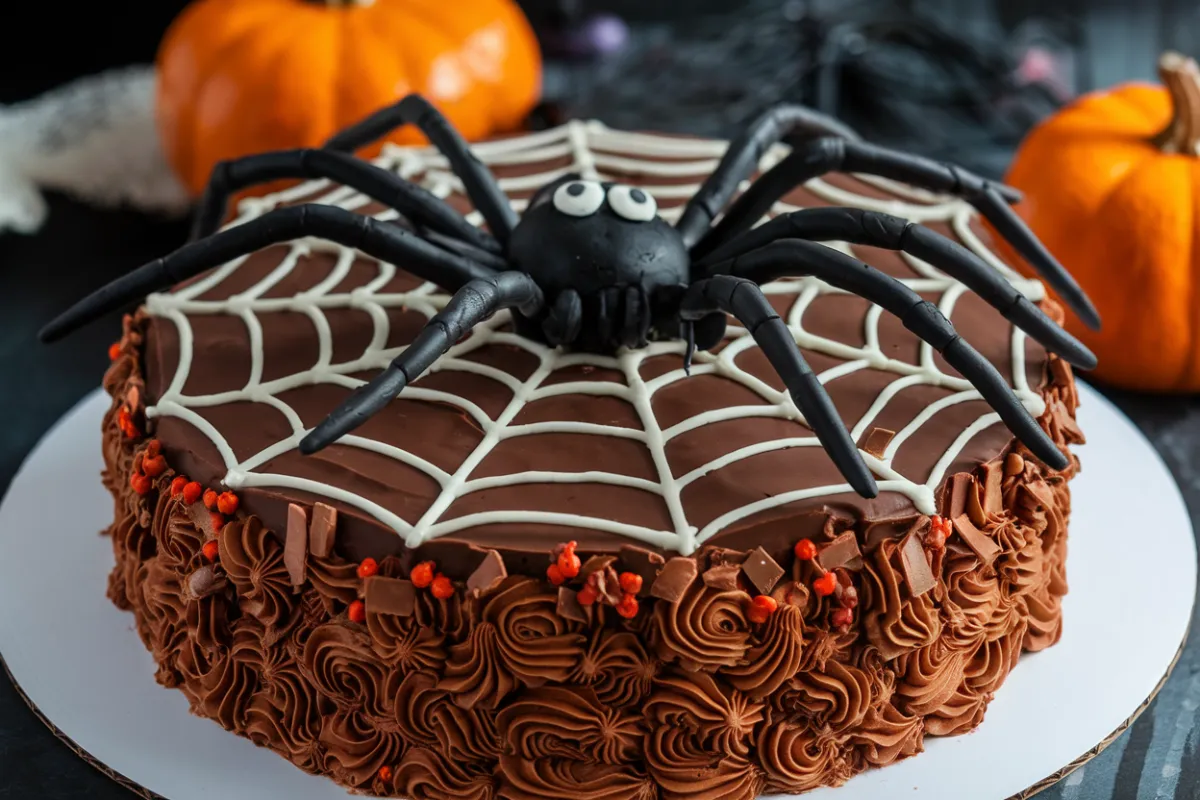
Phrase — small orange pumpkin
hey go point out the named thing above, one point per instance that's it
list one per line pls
(1112, 186)
(245, 76)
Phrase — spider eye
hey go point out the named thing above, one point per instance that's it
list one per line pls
(579, 198)
(636, 205)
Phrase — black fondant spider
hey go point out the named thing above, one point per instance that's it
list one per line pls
(592, 266)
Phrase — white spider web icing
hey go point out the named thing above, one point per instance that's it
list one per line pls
(598, 152)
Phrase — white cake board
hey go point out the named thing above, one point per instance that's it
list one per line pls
(82, 667)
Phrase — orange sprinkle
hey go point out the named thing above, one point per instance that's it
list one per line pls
(191, 492)
(554, 575)
(211, 550)
(368, 567)
(442, 588)
(357, 612)
(631, 582)
(762, 607)
(153, 447)
(114, 351)
(218, 520)
(825, 584)
(587, 595)
(210, 499)
(154, 465)
(806, 550)
(178, 484)
(385, 773)
(628, 607)
(227, 503)
(569, 563)
(422, 574)
(140, 483)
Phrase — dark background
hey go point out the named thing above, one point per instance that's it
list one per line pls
(703, 70)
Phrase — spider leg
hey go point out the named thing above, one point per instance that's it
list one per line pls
(745, 301)
(820, 156)
(412, 201)
(793, 257)
(470, 305)
(381, 240)
(478, 181)
(741, 159)
(876, 229)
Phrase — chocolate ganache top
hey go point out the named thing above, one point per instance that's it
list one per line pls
(507, 444)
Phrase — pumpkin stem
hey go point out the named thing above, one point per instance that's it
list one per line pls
(1181, 76)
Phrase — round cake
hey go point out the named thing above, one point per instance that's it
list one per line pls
(541, 572)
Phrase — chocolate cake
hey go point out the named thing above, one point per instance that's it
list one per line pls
(544, 572)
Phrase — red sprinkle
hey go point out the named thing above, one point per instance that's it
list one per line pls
(125, 423)
(568, 563)
(178, 484)
(587, 595)
(761, 607)
(422, 574)
(153, 448)
(806, 550)
(841, 617)
(211, 549)
(210, 499)
(628, 607)
(218, 520)
(631, 582)
(442, 588)
(191, 492)
(554, 575)
(368, 567)
(357, 612)
(114, 351)
(385, 773)
(939, 531)
(849, 597)
(154, 465)
(825, 584)
(227, 503)
(140, 483)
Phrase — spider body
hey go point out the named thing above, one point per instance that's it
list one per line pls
(612, 269)
(591, 265)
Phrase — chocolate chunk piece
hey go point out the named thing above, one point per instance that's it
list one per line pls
(841, 552)
(568, 605)
(877, 441)
(723, 577)
(674, 579)
(992, 474)
(976, 539)
(204, 582)
(762, 570)
(641, 562)
(1042, 491)
(916, 567)
(1014, 464)
(323, 530)
(596, 564)
(394, 596)
(295, 548)
(960, 487)
(488, 575)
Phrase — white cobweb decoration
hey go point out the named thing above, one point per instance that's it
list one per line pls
(597, 152)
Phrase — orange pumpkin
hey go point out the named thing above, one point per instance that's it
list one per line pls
(1111, 186)
(245, 76)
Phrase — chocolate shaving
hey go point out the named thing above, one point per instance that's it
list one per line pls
(960, 486)
(723, 577)
(394, 596)
(762, 570)
(1042, 491)
(488, 575)
(569, 607)
(721, 556)
(992, 475)
(792, 593)
(877, 441)
(975, 505)
(976, 539)
(204, 582)
(596, 564)
(323, 530)
(295, 548)
(607, 584)
(674, 579)
(842, 552)
(916, 567)
(641, 562)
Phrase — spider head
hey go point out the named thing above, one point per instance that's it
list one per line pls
(591, 235)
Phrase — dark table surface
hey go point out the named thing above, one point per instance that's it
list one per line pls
(81, 248)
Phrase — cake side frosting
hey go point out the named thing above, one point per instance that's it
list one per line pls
(514, 446)
(510, 688)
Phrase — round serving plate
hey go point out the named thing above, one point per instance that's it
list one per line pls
(82, 668)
